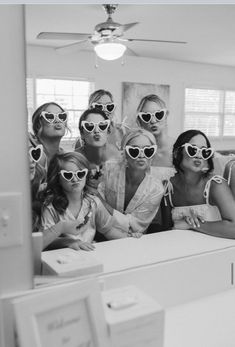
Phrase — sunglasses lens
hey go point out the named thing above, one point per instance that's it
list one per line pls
(146, 117)
(206, 153)
(49, 117)
(149, 152)
(81, 174)
(89, 127)
(67, 175)
(133, 152)
(99, 107)
(36, 154)
(159, 115)
(62, 116)
(103, 126)
(192, 151)
(110, 107)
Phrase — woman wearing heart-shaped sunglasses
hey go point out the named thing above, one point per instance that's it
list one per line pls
(49, 123)
(130, 190)
(152, 115)
(197, 199)
(37, 176)
(70, 215)
(104, 100)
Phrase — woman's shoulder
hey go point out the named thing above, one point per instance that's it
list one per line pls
(163, 173)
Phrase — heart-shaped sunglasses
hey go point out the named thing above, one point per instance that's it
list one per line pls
(69, 175)
(147, 151)
(51, 117)
(90, 126)
(35, 153)
(193, 151)
(109, 107)
(158, 116)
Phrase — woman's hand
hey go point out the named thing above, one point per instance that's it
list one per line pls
(86, 246)
(71, 227)
(194, 220)
(187, 222)
(181, 225)
(136, 235)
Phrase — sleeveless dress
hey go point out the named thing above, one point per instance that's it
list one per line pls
(209, 213)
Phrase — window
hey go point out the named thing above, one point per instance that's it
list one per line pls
(211, 111)
(72, 95)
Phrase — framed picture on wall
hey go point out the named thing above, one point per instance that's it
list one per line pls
(132, 93)
(68, 315)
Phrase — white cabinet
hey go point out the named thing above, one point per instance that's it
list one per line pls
(173, 267)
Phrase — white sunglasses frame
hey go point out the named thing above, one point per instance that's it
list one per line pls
(141, 150)
(55, 117)
(199, 150)
(153, 115)
(74, 174)
(33, 149)
(104, 106)
(107, 121)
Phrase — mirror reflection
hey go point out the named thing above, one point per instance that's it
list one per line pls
(112, 159)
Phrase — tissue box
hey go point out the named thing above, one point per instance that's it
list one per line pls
(68, 262)
(134, 319)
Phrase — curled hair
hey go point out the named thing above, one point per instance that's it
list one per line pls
(86, 113)
(54, 192)
(136, 133)
(36, 119)
(97, 94)
(183, 138)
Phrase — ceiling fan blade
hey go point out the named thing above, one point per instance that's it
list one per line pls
(128, 26)
(70, 48)
(122, 28)
(161, 41)
(131, 52)
(62, 36)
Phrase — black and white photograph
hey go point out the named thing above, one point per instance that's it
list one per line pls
(117, 190)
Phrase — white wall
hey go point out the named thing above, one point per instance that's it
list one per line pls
(43, 61)
(15, 261)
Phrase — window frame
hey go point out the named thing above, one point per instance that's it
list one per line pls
(66, 141)
(221, 114)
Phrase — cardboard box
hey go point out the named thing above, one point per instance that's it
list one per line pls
(68, 262)
(134, 319)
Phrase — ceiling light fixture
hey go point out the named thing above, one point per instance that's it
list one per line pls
(110, 50)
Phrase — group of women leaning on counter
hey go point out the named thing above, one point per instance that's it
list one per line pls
(123, 181)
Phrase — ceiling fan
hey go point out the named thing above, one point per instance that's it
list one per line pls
(108, 31)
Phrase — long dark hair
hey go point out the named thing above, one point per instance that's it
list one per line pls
(183, 138)
(54, 192)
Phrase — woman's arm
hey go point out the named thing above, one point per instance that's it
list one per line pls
(229, 172)
(52, 228)
(104, 221)
(220, 196)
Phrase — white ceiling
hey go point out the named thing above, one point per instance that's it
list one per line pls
(208, 29)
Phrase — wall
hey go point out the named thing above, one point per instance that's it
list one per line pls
(15, 261)
(43, 61)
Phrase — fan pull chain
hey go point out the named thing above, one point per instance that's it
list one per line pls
(96, 62)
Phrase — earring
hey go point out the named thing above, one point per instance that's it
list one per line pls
(82, 142)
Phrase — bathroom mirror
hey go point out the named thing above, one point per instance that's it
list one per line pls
(69, 76)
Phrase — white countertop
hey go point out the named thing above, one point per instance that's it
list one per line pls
(208, 322)
(122, 254)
